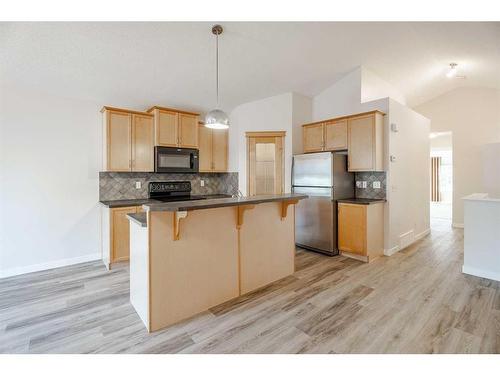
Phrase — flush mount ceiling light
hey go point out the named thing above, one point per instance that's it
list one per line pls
(217, 118)
(453, 70)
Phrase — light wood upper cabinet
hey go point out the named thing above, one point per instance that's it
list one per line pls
(142, 143)
(219, 150)
(205, 140)
(365, 142)
(361, 135)
(213, 146)
(361, 230)
(336, 135)
(166, 124)
(117, 141)
(188, 130)
(313, 137)
(174, 128)
(127, 140)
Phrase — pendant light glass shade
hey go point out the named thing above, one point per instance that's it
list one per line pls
(216, 119)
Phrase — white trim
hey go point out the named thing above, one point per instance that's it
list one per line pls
(481, 273)
(395, 249)
(423, 234)
(457, 225)
(391, 251)
(48, 265)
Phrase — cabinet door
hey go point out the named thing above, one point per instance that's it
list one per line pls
(118, 141)
(352, 228)
(361, 143)
(142, 143)
(205, 140)
(336, 135)
(313, 137)
(219, 150)
(166, 128)
(188, 130)
(120, 245)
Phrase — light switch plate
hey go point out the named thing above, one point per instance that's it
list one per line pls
(364, 184)
(202, 182)
(376, 184)
(138, 184)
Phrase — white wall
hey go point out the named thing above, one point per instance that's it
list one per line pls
(473, 116)
(373, 87)
(408, 184)
(301, 114)
(49, 159)
(274, 113)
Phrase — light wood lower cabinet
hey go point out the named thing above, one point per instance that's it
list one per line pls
(127, 141)
(115, 229)
(213, 146)
(361, 230)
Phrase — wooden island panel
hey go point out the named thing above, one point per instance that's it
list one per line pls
(196, 272)
(267, 245)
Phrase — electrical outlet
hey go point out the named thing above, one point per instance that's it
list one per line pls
(138, 184)
(376, 184)
(202, 183)
(358, 184)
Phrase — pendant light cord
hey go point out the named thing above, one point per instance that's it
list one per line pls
(217, 68)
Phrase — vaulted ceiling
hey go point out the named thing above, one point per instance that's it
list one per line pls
(172, 64)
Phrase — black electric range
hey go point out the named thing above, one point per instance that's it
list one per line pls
(171, 191)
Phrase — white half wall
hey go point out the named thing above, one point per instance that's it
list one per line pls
(473, 117)
(50, 151)
(269, 114)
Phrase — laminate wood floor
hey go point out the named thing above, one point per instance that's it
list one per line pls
(416, 301)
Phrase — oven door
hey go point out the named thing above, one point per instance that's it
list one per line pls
(176, 160)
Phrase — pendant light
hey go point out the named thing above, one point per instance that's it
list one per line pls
(216, 118)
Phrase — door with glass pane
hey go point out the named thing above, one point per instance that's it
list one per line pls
(265, 163)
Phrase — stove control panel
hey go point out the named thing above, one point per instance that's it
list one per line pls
(163, 187)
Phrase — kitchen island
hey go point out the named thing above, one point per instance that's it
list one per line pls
(188, 256)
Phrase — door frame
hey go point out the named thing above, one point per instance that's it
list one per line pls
(267, 134)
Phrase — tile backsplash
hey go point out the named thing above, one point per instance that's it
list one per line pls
(121, 185)
(369, 192)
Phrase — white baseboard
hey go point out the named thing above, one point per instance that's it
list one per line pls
(423, 234)
(395, 249)
(457, 225)
(392, 250)
(481, 273)
(48, 265)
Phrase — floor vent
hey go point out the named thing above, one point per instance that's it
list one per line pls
(406, 239)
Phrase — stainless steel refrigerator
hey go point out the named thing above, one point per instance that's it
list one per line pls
(323, 176)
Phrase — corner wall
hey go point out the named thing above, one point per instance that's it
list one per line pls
(473, 117)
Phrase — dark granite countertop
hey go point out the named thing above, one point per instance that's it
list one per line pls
(221, 202)
(126, 202)
(139, 218)
(140, 202)
(361, 201)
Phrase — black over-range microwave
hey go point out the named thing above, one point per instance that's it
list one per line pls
(176, 160)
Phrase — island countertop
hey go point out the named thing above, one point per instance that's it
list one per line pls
(220, 202)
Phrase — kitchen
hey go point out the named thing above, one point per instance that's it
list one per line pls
(224, 205)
